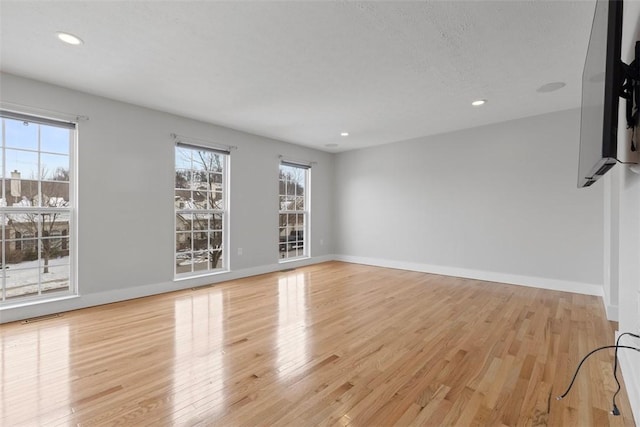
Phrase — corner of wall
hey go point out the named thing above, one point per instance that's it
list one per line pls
(630, 366)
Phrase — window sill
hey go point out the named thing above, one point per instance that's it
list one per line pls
(298, 258)
(198, 275)
(27, 303)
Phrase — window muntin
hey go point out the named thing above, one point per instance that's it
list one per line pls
(200, 210)
(36, 203)
(293, 215)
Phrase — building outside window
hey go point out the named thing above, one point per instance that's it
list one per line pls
(294, 211)
(36, 208)
(201, 183)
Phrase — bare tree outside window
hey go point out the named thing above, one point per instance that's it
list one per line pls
(200, 209)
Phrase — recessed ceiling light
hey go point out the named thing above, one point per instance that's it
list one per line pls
(69, 38)
(551, 87)
(331, 145)
(478, 102)
(344, 134)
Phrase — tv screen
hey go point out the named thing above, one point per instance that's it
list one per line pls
(601, 82)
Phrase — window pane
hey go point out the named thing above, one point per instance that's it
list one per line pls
(288, 203)
(22, 282)
(216, 259)
(54, 222)
(54, 139)
(291, 188)
(216, 200)
(200, 200)
(54, 251)
(54, 167)
(55, 278)
(283, 239)
(21, 134)
(55, 194)
(22, 253)
(216, 222)
(200, 241)
(215, 240)
(21, 192)
(200, 181)
(183, 222)
(184, 263)
(215, 180)
(183, 179)
(207, 161)
(200, 261)
(183, 199)
(201, 221)
(183, 158)
(183, 242)
(23, 164)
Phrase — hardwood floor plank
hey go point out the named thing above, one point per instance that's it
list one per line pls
(329, 344)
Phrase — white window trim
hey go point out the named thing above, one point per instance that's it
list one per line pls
(225, 212)
(306, 212)
(51, 118)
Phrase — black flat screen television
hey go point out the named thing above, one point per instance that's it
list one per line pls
(602, 79)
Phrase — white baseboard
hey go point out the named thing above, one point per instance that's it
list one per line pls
(612, 312)
(490, 276)
(27, 311)
(630, 367)
(12, 314)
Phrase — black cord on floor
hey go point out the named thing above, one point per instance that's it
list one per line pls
(617, 346)
(615, 410)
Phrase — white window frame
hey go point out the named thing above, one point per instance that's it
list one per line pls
(188, 210)
(68, 210)
(285, 208)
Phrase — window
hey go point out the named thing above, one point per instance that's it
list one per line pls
(36, 208)
(294, 211)
(201, 209)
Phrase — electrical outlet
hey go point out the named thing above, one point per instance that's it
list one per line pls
(239, 251)
(321, 242)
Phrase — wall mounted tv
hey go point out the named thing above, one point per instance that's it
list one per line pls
(602, 80)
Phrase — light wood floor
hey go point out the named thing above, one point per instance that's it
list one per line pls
(331, 344)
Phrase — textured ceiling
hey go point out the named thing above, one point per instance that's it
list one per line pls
(303, 72)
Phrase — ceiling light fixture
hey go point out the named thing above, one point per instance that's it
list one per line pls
(344, 134)
(478, 102)
(69, 38)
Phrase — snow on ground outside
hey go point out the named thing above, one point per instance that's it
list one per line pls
(22, 278)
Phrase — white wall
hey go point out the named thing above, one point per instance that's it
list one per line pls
(497, 202)
(627, 193)
(624, 230)
(125, 200)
